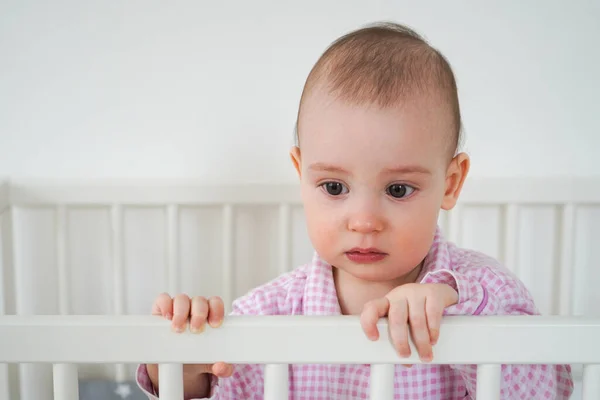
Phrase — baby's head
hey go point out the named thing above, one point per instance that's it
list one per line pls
(377, 150)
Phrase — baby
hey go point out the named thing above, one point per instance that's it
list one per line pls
(378, 156)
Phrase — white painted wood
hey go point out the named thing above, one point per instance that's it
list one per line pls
(586, 259)
(454, 226)
(8, 373)
(4, 382)
(173, 276)
(228, 254)
(574, 262)
(536, 256)
(3, 266)
(442, 221)
(381, 383)
(510, 236)
(148, 192)
(265, 339)
(4, 373)
(65, 382)
(480, 227)
(523, 190)
(276, 382)
(565, 258)
(591, 382)
(491, 191)
(118, 275)
(170, 381)
(285, 238)
(488, 381)
(61, 261)
(117, 259)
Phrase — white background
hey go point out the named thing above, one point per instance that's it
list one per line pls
(209, 91)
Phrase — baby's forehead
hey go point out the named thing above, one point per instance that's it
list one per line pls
(420, 121)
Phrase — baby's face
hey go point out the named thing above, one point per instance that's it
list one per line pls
(374, 179)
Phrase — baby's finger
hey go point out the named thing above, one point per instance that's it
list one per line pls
(163, 306)
(372, 312)
(398, 327)
(434, 310)
(418, 327)
(222, 370)
(181, 311)
(198, 314)
(216, 311)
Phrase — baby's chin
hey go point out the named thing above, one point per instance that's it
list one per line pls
(385, 271)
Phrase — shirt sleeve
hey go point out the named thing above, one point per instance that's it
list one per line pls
(246, 381)
(484, 292)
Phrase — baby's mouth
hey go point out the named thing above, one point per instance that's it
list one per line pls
(363, 256)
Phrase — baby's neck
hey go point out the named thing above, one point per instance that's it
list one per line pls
(354, 293)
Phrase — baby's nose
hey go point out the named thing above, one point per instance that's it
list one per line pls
(365, 223)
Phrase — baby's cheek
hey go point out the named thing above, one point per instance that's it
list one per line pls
(322, 231)
(414, 237)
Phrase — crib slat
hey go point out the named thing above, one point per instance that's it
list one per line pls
(276, 381)
(567, 231)
(591, 382)
(4, 382)
(285, 222)
(382, 382)
(454, 233)
(61, 260)
(172, 248)
(117, 258)
(170, 381)
(118, 273)
(66, 386)
(228, 248)
(488, 381)
(511, 225)
(4, 377)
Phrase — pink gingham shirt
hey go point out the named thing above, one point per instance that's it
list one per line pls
(484, 288)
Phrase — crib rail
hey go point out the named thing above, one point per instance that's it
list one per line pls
(67, 340)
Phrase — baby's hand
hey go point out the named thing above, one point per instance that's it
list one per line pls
(197, 310)
(419, 305)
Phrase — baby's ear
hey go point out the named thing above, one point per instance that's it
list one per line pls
(296, 160)
(455, 178)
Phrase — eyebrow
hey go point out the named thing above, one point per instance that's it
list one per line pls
(407, 169)
(326, 168)
(402, 169)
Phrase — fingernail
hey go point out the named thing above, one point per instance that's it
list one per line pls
(177, 329)
(196, 329)
(169, 316)
(427, 358)
(215, 324)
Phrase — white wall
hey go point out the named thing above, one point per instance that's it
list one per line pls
(163, 89)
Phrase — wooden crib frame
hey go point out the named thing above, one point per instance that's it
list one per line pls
(120, 338)
(67, 340)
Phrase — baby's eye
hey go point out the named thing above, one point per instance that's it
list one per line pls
(399, 191)
(334, 188)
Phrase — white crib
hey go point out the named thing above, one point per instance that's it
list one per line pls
(136, 239)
